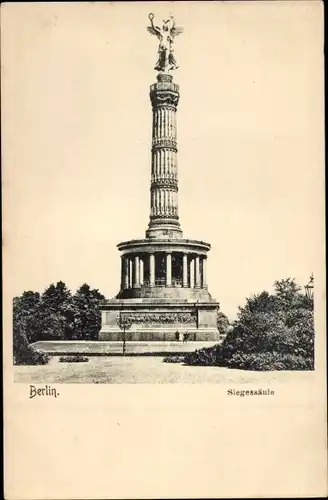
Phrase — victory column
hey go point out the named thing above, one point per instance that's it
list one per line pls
(163, 276)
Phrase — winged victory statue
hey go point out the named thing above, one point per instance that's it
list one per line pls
(165, 34)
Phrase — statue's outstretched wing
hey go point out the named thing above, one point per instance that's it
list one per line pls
(176, 30)
(153, 31)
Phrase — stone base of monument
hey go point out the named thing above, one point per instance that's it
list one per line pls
(115, 348)
(160, 320)
(161, 335)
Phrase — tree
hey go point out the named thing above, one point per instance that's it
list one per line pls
(223, 323)
(53, 327)
(27, 302)
(56, 314)
(24, 313)
(58, 299)
(287, 292)
(56, 311)
(272, 332)
(87, 316)
(262, 302)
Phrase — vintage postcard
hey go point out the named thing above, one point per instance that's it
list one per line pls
(164, 250)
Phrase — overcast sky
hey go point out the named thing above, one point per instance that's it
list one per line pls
(77, 134)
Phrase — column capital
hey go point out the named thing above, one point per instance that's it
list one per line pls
(164, 93)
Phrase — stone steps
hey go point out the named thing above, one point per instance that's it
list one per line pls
(115, 348)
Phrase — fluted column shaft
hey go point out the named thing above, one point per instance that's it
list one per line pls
(164, 164)
(204, 284)
(168, 269)
(130, 273)
(197, 272)
(151, 269)
(185, 270)
(164, 179)
(122, 272)
(136, 283)
(126, 272)
(192, 273)
(141, 271)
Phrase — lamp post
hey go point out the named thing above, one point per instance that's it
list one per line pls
(309, 288)
(124, 324)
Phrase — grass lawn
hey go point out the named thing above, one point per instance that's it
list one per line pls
(146, 370)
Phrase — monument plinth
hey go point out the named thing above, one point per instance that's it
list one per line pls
(163, 276)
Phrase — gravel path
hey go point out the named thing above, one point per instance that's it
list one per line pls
(146, 370)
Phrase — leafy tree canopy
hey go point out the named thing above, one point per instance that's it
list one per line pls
(272, 331)
(58, 314)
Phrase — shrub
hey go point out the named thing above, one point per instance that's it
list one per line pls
(223, 324)
(208, 356)
(272, 332)
(269, 361)
(25, 354)
(73, 359)
(173, 359)
(261, 361)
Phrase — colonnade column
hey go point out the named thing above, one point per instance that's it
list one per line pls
(204, 283)
(141, 270)
(122, 272)
(185, 270)
(130, 273)
(125, 272)
(168, 269)
(125, 264)
(197, 273)
(151, 269)
(192, 273)
(136, 280)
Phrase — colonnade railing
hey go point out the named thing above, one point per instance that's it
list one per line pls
(191, 274)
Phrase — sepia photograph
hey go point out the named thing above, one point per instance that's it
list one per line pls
(117, 299)
(163, 182)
